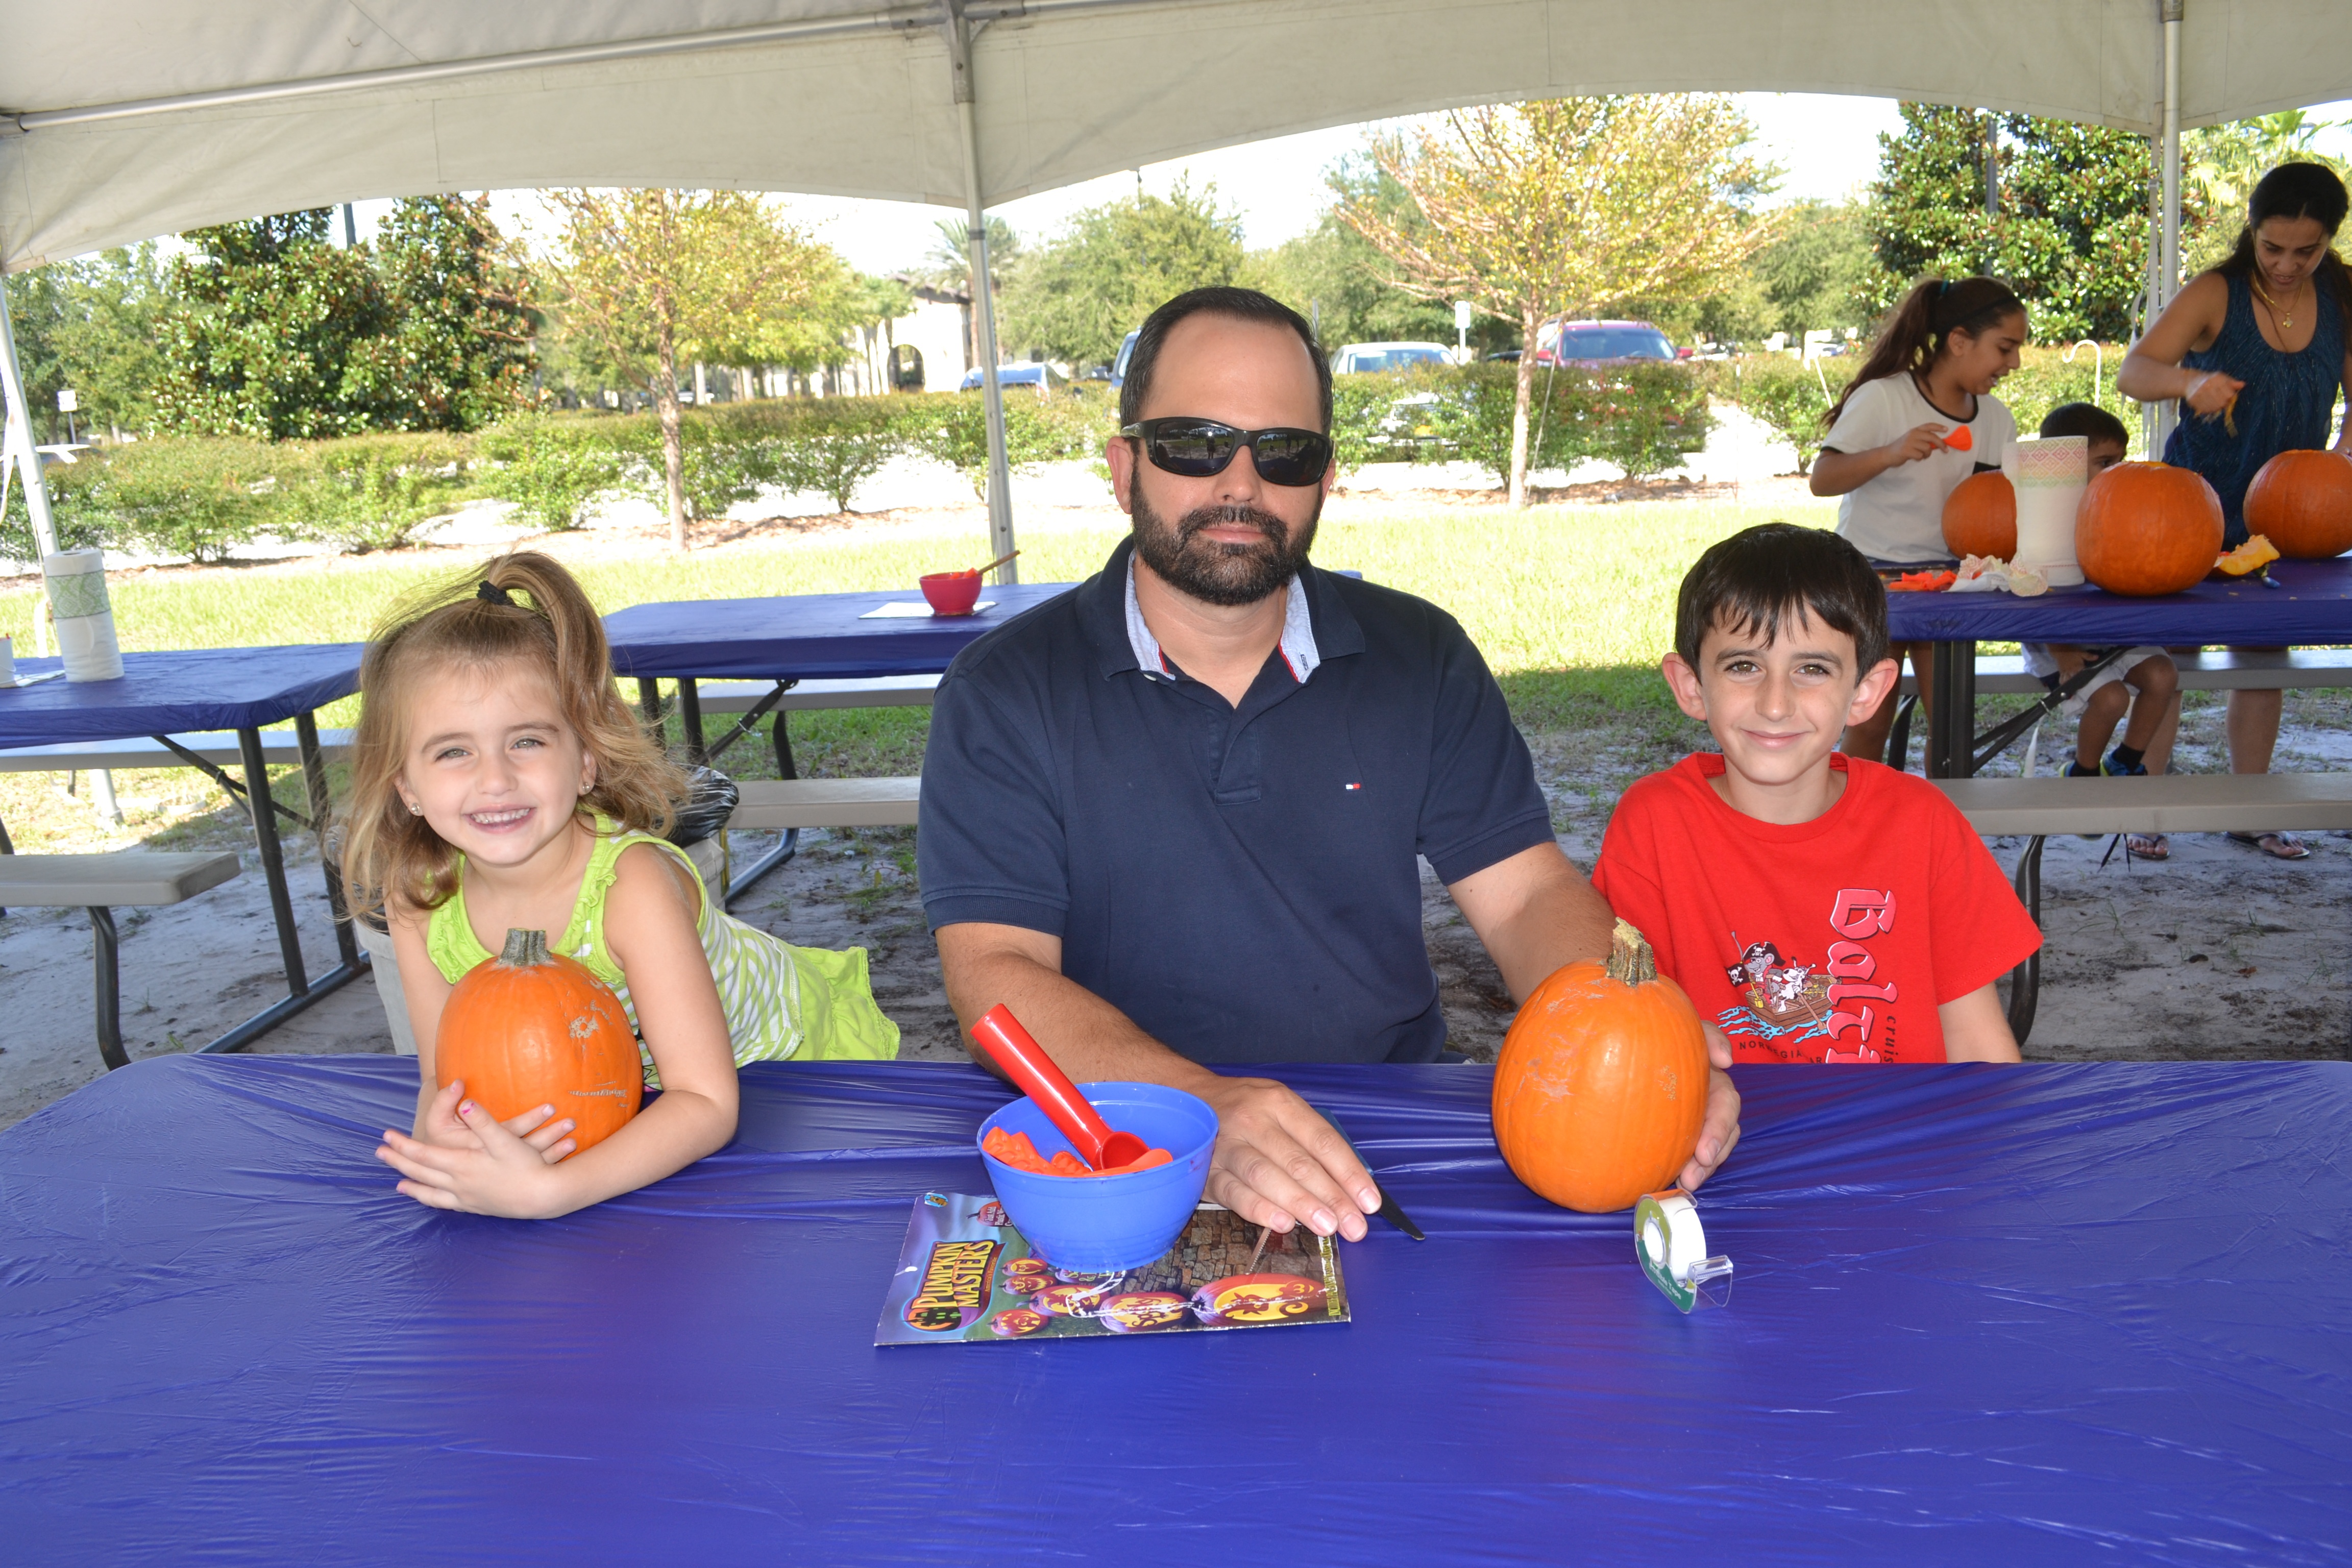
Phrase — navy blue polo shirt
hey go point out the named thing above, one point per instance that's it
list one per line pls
(1239, 881)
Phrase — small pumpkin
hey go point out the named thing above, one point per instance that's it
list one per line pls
(2146, 529)
(531, 1028)
(1601, 1086)
(2252, 556)
(1980, 517)
(2303, 502)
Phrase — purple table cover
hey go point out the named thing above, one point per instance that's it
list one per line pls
(803, 637)
(2044, 1314)
(179, 693)
(2312, 605)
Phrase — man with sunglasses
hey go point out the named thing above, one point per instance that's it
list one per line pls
(1173, 819)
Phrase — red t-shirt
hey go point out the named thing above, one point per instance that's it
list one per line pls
(1834, 939)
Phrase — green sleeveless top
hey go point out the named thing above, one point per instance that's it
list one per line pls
(782, 1002)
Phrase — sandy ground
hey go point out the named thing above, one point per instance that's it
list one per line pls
(2219, 953)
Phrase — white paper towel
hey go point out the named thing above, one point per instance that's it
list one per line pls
(76, 579)
(2049, 474)
(7, 661)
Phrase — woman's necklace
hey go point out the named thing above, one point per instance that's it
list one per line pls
(2285, 321)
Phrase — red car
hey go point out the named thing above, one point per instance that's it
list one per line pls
(1562, 341)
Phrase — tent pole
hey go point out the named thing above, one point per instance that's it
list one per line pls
(19, 438)
(2168, 281)
(983, 303)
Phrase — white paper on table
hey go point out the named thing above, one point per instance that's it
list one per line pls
(918, 609)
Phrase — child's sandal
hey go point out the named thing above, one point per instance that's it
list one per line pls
(2147, 845)
(2280, 846)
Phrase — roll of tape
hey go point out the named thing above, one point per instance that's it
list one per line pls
(1671, 1245)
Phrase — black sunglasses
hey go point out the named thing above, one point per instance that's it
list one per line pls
(1198, 448)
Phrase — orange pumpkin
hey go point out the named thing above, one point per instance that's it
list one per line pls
(530, 1027)
(2146, 529)
(2303, 502)
(1602, 1085)
(1980, 517)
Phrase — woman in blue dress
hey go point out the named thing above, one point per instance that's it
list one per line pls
(2255, 351)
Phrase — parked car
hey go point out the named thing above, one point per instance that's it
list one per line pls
(1563, 341)
(1044, 377)
(1359, 359)
(1119, 365)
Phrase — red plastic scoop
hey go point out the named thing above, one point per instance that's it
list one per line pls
(1024, 1061)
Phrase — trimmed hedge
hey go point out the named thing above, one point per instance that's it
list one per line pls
(1642, 418)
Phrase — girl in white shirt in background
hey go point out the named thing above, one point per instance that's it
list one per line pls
(1917, 418)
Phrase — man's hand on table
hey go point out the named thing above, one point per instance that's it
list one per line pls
(1718, 1135)
(1278, 1163)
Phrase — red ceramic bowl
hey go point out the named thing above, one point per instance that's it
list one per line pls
(951, 592)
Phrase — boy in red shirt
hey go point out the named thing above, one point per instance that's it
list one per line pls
(1817, 907)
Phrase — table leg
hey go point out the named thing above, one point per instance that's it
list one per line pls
(649, 704)
(300, 993)
(314, 780)
(689, 719)
(104, 945)
(741, 884)
(2025, 980)
(273, 858)
(1952, 710)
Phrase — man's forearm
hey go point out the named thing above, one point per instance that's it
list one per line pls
(1535, 913)
(1087, 1037)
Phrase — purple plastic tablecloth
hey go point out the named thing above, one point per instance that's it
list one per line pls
(803, 637)
(2022, 1315)
(178, 693)
(2311, 604)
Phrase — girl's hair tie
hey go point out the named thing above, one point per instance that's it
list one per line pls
(491, 593)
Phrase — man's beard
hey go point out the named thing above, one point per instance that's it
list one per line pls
(1216, 573)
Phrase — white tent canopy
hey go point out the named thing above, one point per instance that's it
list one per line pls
(124, 119)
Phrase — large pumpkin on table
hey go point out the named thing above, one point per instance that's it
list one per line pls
(2146, 529)
(1601, 1086)
(2302, 501)
(531, 1028)
(1980, 517)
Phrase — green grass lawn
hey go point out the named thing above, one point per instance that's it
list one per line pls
(1573, 607)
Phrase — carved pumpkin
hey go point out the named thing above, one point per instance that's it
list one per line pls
(1980, 517)
(1601, 1086)
(2303, 502)
(2146, 529)
(530, 1027)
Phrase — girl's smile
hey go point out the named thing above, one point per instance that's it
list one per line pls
(494, 769)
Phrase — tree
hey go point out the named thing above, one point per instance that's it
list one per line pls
(949, 265)
(260, 341)
(656, 279)
(1079, 297)
(276, 332)
(1567, 206)
(2060, 211)
(1340, 280)
(91, 324)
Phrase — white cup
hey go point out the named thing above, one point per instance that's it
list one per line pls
(7, 661)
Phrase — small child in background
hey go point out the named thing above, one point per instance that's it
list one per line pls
(2143, 680)
(498, 782)
(1818, 907)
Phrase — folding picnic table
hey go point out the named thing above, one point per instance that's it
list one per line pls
(239, 689)
(2310, 605)
(2020, 1315)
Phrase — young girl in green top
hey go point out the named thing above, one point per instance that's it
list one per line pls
(498, 782)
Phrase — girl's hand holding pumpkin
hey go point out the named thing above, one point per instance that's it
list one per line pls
(503, 1175)
(440, 1127)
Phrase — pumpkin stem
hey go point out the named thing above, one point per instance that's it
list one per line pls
(1630, 958)
(528, 949)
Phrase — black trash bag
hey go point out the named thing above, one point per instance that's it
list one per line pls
(710, 800)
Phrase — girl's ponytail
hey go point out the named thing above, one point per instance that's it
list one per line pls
(519, 609)
(1915, 334)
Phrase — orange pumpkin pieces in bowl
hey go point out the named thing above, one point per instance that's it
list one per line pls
(531, 1028)
(1980, 517)
(2302, 501)
(1601, 1086)
(2146, 529)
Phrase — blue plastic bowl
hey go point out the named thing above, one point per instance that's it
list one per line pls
(1109, 1224)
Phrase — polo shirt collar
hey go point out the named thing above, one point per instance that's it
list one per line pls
(1316, 624)
(1298, 645)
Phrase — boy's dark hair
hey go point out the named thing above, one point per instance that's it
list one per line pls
(1759, 577)
(1248, 304)
(2086, 419)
